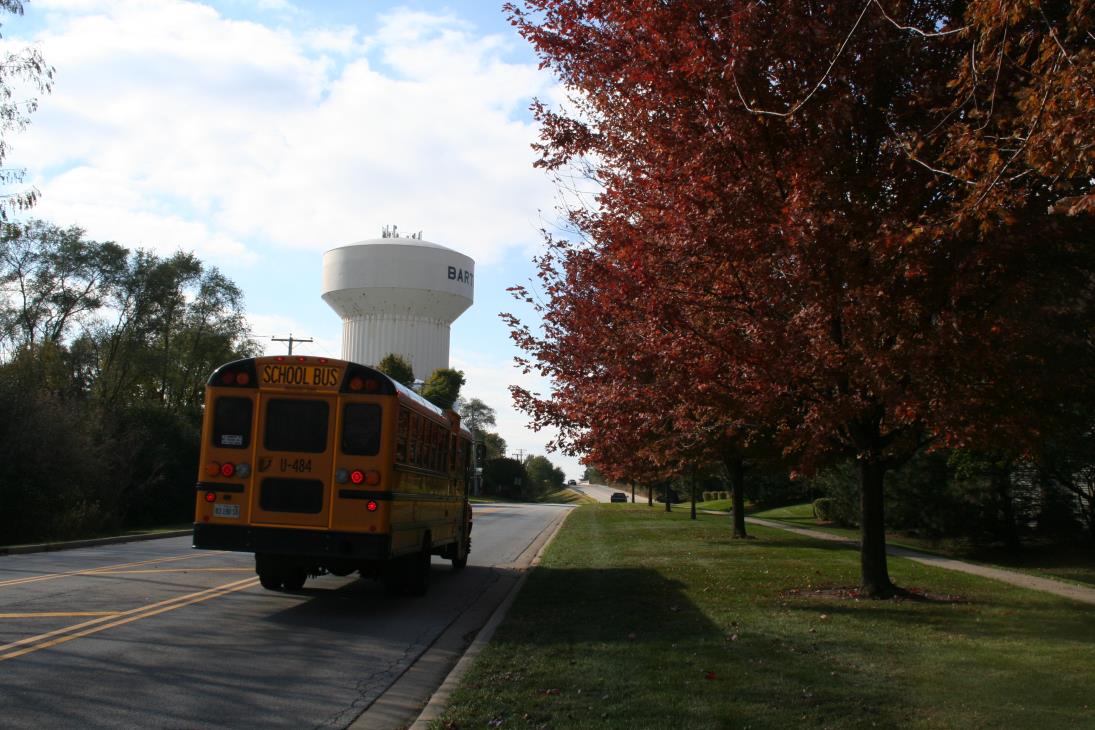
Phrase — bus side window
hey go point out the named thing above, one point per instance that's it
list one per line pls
(232, 422)
(402, 433)
(431, 438)
(414, 447)
(438, 449)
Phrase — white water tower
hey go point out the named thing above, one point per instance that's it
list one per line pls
(398, 295)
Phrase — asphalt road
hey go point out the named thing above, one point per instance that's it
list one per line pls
(599, 492)
(157, 634)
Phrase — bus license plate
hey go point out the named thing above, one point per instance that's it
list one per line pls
(226, 510)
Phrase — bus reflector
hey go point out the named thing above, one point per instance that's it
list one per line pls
(371, 506)
(372, 477)
(357, 476)
(210, 496)
(212, 469)
(227, 469)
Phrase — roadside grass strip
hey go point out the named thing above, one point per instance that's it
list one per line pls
(640, 619)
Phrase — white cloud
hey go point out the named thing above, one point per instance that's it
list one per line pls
(291, 137)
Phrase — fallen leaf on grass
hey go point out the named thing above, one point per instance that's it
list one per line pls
(710, 675)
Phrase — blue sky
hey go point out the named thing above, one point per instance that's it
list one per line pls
(260, 133)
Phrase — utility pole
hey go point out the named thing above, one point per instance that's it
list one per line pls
(521, 455)
(290, 340)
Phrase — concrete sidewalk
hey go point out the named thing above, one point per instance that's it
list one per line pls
(1048, 585)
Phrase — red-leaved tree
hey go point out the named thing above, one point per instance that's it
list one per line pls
(821, 220)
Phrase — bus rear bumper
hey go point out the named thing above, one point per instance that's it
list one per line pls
(302, 543)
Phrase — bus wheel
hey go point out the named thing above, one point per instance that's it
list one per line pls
(460, 553)
(417, 577)
(294, 581)
(270, 581)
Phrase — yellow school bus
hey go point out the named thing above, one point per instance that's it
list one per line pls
(319, 465)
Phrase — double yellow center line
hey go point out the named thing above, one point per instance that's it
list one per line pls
(60, 636)
(92, 571)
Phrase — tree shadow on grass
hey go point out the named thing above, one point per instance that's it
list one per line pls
(627, 647)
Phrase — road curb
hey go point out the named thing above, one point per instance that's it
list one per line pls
(47, 547)
(440, 699)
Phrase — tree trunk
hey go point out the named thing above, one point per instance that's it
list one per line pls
(665, 493)
(735, 467)
(649, 495)
(874, 578)
(693, 481)
(632, 492)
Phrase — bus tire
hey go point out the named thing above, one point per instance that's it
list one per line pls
(270, 581)
(460, 552)
(416, 579)
(294, 581)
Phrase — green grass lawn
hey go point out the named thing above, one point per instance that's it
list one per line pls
(640, 619)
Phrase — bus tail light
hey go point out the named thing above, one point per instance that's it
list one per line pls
(212, 469)
(238, 374)
(210, 496)
(228, 469)
(361, 379)
(371, 505)
(358, 476)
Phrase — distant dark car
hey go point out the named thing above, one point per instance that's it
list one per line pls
(571, 483)
(618, 497)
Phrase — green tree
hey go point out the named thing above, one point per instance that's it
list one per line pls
(105, 354)
(398, 368)
(26, 68)
(494, 445)
(543, 476)
(474, 414)
(505, 477)
(53, 279)
(442, 388)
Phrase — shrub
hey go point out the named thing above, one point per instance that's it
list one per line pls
(823, 509)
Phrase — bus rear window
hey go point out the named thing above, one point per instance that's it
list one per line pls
(296, 425)
(361, 429)
(232, 422)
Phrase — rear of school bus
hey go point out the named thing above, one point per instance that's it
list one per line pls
(296, 467)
